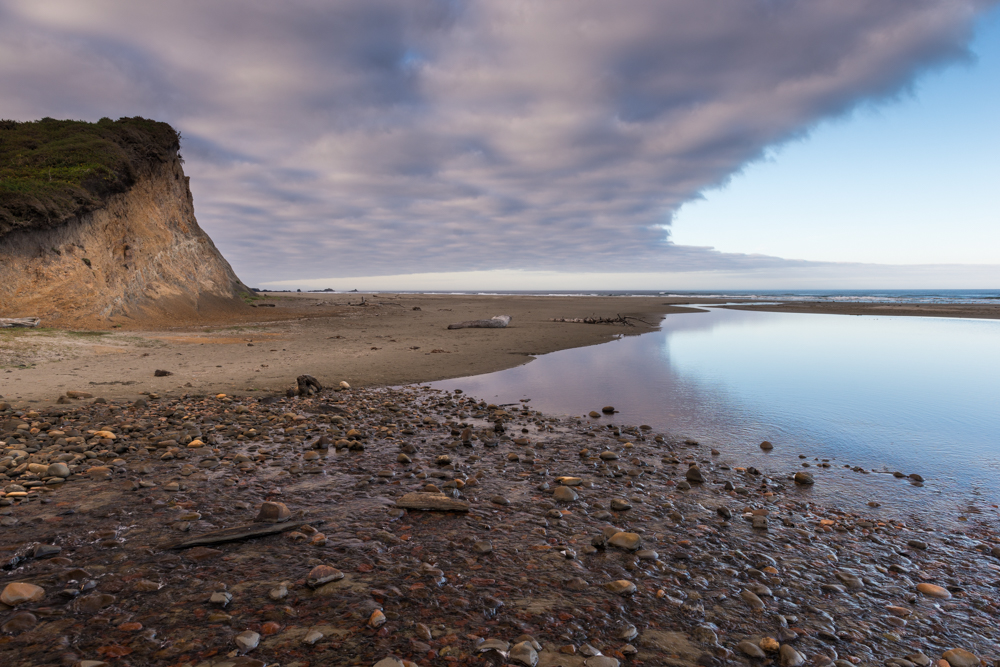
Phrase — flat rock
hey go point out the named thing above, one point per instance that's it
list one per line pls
(271, 512)
(930, 590)
(959, 657)
(627, 541)
(621, 587)
(419, 500)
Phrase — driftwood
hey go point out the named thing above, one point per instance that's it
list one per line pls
(233, 534)
(624, 320)
(305, 385)
(496, 322)
(420, 500)
(8, 322)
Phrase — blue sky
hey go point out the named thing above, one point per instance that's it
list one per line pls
(495, 144)
(912, 181)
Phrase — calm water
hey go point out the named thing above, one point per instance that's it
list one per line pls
(886, 393)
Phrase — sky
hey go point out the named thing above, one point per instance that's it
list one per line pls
(570, 144)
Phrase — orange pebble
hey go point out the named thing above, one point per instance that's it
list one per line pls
(130, 627)
(270, 628)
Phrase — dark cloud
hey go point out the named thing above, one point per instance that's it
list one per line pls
(367, 137)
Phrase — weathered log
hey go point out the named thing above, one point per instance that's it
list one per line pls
(233, 534)
(496, 322)
(624, 320)
(29, 322)
(420, 500)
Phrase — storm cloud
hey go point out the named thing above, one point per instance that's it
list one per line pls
(372, 137)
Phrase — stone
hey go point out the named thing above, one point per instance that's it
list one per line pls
(694, 475)
(766, 446)
(959, 657)
(482, 547)
(19, 622)
(312, 637)
(523, 653)
(390, 661)
(272, 512)
(790, 657)
(323, 574)
(564, 494)
(247, 641)
(98, 473)
(621, 587)
(569, 481)
(419, 500)
(377, 619)
(804, 479)
(608, 455)
(19, 593)
(94, 602)
(601, 661)
(930, 590)
(748, 648)
(627, 541)
(221, 598)
(751, 599)
(620, 505)
(58, 469)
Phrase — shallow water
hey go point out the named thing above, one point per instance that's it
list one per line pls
(916, 395)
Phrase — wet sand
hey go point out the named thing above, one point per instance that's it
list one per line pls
(384, 340)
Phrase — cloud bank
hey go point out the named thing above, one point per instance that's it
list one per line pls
(375, 137)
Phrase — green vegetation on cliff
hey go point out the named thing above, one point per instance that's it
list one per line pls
(52, 170)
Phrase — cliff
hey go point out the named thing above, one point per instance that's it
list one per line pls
(112, 238)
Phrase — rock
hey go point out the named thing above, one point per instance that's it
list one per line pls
(621, 587)
(221, 598)
(569, 481)
(564, 494)
(323, 574)
(608, 455)
(601, 661)
(161, 373)
(98, 473)
(594, 414)
(748, 648)
(759, 522)
(930, 590)
(388, 662)
(377, 619)
(271, 512)
(523, 653)
(769, 644)
(18, 593)
(19, 622)
(482, 547)
(959, 657)
(58, 469)
(751, 599)
(803, 478)
(694, 475)
(419, 500)
(247, 641)
(766, 446)
(312, 637)
(627, 541)
(790, 657)
(608, 410)
(620, 505)
(94, 602)
(46, 551)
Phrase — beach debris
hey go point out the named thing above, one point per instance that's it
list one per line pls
(233, 534)
(9, 322)
(625, 320)
(495, 322)
(305, 385)
(161, 373)
(420, 500)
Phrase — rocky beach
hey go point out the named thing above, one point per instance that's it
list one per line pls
(402, 525)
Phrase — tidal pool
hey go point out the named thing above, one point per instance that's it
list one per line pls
(908, 394)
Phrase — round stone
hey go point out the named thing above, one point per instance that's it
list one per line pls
(627, 541)
(19, 593)
(564, 494)
(930, 590)
(694, 475)
(620, 505)
(804, 478)
(959, 657)
(766, 446)
(247, 640)
(621, 587)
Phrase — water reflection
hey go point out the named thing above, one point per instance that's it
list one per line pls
(890, 393)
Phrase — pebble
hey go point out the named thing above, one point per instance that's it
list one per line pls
(523, 653)
(694, 475)
(620, 505)
(323, 574)
(564, 494)
(620, 587)
(959, 657)
(931, 590)
(803, 478)
(19, 593)
(789, 657)
(750, 649)
(247, 640)
(627, 541)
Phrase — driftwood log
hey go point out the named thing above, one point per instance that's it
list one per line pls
(496, 322)
(421, 500)
(305, 385)
(624, 320)
(233, 534)
(8, 322)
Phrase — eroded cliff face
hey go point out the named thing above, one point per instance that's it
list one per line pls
(142, 259)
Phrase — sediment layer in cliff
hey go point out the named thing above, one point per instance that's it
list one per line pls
(117, 242)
